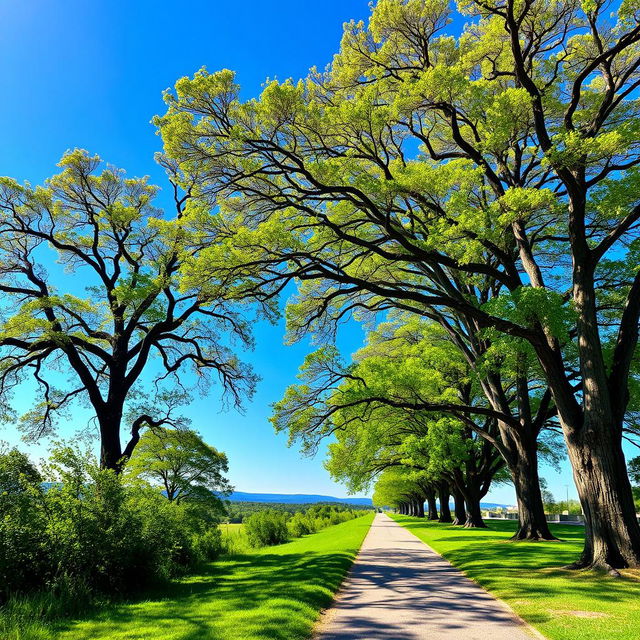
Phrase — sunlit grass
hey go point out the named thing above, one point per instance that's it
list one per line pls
(234, 539)
(273, 593)
(561, 604)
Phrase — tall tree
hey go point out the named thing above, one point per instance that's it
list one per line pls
(91, 333)
(421, 166)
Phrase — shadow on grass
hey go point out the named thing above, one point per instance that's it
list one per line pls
(301, 584)
(528, 572)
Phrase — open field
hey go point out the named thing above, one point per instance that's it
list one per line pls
(234, 539)
(561, 604)
(273, 593)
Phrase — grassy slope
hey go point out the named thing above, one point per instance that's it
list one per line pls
(274, 593)
(562, 605)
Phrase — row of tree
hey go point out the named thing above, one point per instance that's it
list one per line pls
(480, 189)
(369, 407)
(485, 183)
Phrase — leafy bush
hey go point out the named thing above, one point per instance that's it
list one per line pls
(89, 532)
(270, 527)
(266, 528)
(208, 544)
(301, 525)
(22, 524)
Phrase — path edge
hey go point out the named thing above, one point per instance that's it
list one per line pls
(534, 632)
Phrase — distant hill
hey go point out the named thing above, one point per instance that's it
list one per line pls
(494, 505)
(293, 498)
(308, 498)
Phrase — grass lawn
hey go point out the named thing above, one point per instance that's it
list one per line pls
(273, 593)
(234, 539)
(561, 604)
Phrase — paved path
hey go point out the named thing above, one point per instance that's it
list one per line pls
(400, 589)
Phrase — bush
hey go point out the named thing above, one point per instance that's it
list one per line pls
(301, 525)
(89, 532)
(266, 528)
(208, 544)
(22, 524)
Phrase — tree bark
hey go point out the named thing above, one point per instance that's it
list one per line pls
(594, 439)
(532, 522)
(110, 446)
(420, 508)
(443, 497)
(612, 539)
(460, 511)
(433, 507)
(474, 514)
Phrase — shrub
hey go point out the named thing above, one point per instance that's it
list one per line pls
(300, 525)
(208, 544)
(90, 532)
(22, 524)
(266, 528)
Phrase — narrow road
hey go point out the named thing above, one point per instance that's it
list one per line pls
(400, 589)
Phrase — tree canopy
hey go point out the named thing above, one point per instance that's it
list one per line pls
(186, 467)
(90, 334)
(487, 181)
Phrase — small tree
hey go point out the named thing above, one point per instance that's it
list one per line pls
(634, 470)
(185, 466)
(634, 474)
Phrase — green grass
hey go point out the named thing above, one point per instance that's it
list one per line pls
(234, 539)
(561, 604)
(273, 593)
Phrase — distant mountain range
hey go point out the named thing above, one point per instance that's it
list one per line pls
(293, 498)
(304, 498)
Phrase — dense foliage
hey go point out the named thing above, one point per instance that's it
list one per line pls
(269, 526)
(238, 511)
(87, 531)
(266, 528)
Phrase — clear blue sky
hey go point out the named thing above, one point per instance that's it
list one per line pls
(90, 74)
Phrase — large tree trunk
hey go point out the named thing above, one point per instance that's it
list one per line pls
(443, 497)
(460, 511)
(612, 539)
(594, 440)
(420, 506)
(433, 507)
(474, 514)
(110, 447)
(524, 472)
